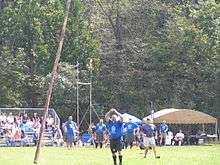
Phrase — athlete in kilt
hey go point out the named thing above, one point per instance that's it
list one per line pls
(99, 131)
(115, 130)
(148, 133)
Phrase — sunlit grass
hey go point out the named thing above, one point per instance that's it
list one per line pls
(184, 155)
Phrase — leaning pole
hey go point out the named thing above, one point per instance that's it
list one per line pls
(50, 89)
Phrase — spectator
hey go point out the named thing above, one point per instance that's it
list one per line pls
(163, 132)
(179, 137)
(35, 118)
(19, 128)
(200, 137)
(91, 130)
(50, 121)
(10, 118)
(2, 117)
(17, 135)
(18, 120)
(169, 138)
(10, 138)
(36, 129)
(24, 118)
(58, 137)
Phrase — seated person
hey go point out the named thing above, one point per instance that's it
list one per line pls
(35, 118)
(10, 118)
(25, 118)
(49, 122)
(179, 137)
(17, 135)
(200, 135)
(3, 117)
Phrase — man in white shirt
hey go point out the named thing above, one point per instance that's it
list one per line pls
(10, 118)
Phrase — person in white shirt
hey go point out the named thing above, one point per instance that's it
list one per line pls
(2, 117)
(179, 138)
(50, 121)
(10, 118)
(169, 138)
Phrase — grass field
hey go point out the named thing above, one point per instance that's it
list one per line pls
(185, 155)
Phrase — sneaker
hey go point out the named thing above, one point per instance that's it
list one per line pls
(157, 157)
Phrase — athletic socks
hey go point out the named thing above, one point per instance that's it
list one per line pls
(114, 158)
(120, 159)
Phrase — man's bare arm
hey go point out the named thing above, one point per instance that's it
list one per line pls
(107, 115)
(121, 117)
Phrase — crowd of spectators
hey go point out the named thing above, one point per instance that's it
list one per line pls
(21, 128)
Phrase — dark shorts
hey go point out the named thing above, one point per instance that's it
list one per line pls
(99, 137)
(130, 137)
(115, 145)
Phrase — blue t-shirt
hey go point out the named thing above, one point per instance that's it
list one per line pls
(70, 126)
(100, 128)
(163, 128)
(148, 130)
(130, 127)
(124, 129)
(115, 129)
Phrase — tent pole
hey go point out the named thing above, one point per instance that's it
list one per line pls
(203, 127)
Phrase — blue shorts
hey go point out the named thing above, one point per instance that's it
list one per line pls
(70, 138)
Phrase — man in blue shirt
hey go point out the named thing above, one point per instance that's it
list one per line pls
(129, 137)
(70, 129)
(148, 133)
(100, 130)
(115, 130)
(163, 132)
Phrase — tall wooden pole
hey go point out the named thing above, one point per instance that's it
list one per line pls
(50, 89)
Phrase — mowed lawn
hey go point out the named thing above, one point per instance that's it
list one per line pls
(184, 155)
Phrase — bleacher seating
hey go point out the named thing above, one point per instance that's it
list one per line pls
(24, 130)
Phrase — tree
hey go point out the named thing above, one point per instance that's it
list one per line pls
(29, 35)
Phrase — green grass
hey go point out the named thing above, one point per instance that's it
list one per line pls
(185, 155)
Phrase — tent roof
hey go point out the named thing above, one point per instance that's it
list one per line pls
(127, 116)
(182, 116)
